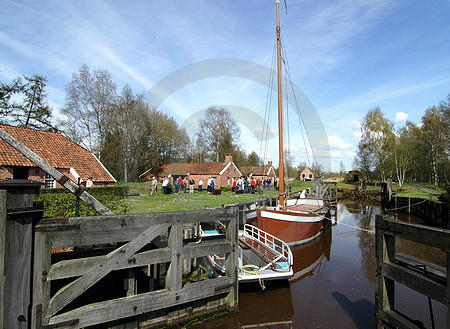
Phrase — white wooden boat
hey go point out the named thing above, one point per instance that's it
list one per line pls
(261, 256)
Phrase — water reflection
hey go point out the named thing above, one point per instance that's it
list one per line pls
(333, 285)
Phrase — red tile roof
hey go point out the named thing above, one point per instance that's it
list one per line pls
(194, 168)
(57, 150)
(255, 170)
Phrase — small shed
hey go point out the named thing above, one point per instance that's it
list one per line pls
(306, 174)
(353, 176)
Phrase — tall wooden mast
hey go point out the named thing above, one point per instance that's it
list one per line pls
(280, 110)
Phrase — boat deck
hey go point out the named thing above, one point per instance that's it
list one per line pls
(264, 252)
(304, 208)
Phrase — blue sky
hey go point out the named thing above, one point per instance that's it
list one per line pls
(346, 56)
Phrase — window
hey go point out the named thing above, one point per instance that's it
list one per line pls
(20, 173)
(49, 181)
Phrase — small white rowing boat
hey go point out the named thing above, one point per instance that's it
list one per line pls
(261, 256)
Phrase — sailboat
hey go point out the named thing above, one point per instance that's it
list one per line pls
(299, 220)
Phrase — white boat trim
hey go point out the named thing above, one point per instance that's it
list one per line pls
(291, 217)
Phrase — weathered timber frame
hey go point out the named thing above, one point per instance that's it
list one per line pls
(426, 278)
(135, 231)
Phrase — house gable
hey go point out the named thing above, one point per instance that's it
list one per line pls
(57, 150)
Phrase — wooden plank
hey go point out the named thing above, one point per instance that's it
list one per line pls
(438, 271)
(397, 320)
(17, 272)
(80, 266)
(2, 251)
(41, 285)
(385, 287)
(122, 228)
(93, 223)
(416, 281)
(448, 289)
(67, 294)
(56, 174)
(427, 235)
(174, 273)
(232, 260)
(143, 303)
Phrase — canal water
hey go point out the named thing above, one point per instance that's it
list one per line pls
(334, 282)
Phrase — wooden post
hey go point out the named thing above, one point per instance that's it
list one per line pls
(232, 261)
(41, 285)
(384, 297)
(174, 277)
(17, 252)
(2, 249)
(448, 289)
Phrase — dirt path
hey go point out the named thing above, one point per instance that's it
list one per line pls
(426, 189)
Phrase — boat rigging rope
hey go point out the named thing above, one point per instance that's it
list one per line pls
(415, 204)
(264, 146)
(302, 122)
(356, 227)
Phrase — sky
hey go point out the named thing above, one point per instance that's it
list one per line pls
(345, 57)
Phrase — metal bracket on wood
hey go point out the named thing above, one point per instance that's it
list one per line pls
(51, 326)
(29, 211)
(55, 228)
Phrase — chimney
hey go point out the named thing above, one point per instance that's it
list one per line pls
(228, 158)
(269, 164)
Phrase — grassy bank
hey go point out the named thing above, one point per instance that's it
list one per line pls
(140, 200)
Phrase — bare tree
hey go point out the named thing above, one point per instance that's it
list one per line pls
(219, 131)
(90, 98)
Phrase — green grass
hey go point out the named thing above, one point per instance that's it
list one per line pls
(144, 203)
(409, 190)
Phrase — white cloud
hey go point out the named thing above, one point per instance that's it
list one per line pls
(400, 116)
(336, 154)
(337, 143)
(357, 134)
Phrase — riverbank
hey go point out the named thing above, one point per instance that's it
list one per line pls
(140, 200)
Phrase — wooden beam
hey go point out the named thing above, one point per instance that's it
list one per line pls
(121, 228)
(428, 235)
(80, 266)
(41, 284)
(174, 273)
(56, 174)
(68, 293)
(416, 281)
(143, 303)
(3, 209)
(232, 260)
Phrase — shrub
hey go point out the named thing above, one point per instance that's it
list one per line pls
(61, 203)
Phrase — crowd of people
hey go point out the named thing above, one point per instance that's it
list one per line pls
(241, 185)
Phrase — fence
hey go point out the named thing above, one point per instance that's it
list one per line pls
(426, 278)
(56, 268)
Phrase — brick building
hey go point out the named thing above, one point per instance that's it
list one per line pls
(222, 172)
(60, 152)
(259, 172)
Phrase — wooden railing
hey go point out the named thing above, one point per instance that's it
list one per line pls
(132, 234)
(79, 272)
(426, 278)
